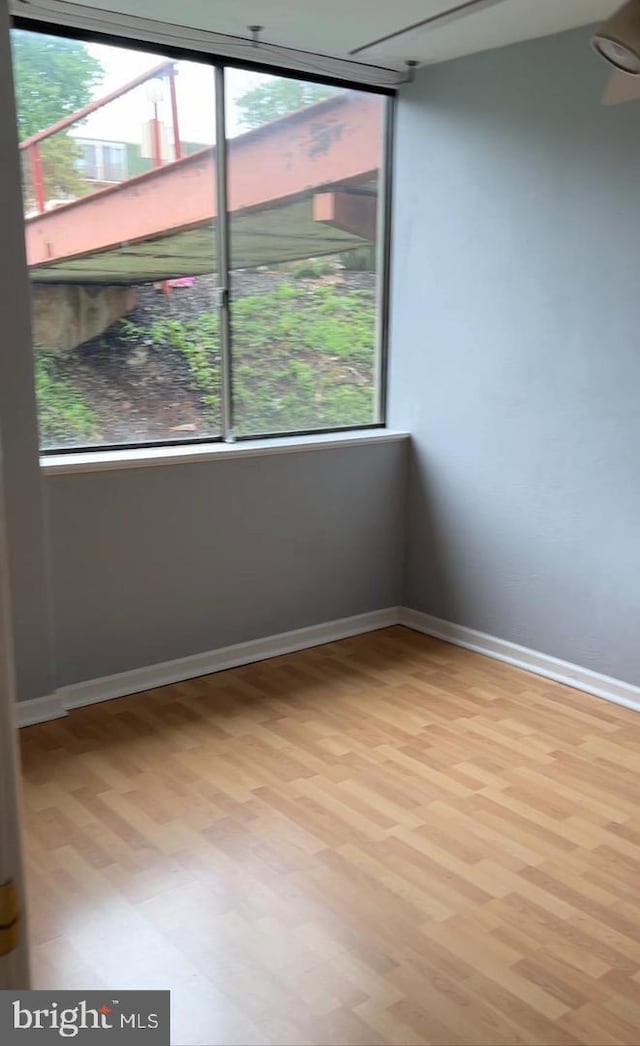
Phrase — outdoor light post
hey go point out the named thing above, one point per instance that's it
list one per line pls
(156, 95)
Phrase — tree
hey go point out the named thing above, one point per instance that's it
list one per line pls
(53, 78)
(277, 97)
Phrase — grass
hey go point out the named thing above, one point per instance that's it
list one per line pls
(302, 357)
(198, 341)
(62, 410)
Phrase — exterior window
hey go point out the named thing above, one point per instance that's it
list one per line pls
(87, 163)
(114, 164)
(136, 339)
(101, 161)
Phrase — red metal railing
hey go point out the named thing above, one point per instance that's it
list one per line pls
(30, 147)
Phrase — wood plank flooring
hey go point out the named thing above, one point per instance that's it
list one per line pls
(383, 840)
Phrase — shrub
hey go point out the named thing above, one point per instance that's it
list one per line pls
(62, 409)
(311, 268)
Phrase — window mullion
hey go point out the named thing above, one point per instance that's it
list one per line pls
(222, 240)
(383, 261)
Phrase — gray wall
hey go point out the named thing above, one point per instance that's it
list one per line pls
(152, 564)
(18, 432)
(516, 350)
(158, 563)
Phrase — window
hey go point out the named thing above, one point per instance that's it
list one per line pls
(101, 161)
(114, 162)
(87, 162)
(198, 270)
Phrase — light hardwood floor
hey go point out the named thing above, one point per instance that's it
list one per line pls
(383, 840)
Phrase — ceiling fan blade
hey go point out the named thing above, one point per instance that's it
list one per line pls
(621, 88)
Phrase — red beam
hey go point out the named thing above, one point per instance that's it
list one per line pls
(166, 199)
(351, 212)
(37, 177)
(336, 142)
(80, 114)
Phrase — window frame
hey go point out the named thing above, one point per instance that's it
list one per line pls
(100, 145)
(219, 64)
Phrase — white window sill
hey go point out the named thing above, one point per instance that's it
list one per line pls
(108, 460)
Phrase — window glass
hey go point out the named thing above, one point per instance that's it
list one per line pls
(86, 161)
(123, 271)
(114, 162)
(119, 170)
(304, 164)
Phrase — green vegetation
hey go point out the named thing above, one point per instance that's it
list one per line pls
(62, 410)
(302, 358)
(198, 342)
(360, 259)
(310, 269)
(53, 78)
(130, 332)
(276, 96)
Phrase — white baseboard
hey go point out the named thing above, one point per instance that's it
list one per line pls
(39, 710)
(56, 705)
(585, 679)
(166, 672)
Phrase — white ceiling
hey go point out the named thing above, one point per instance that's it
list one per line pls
(336, 26)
